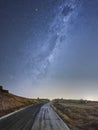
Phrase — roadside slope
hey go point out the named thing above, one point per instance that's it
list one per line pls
(10, 102)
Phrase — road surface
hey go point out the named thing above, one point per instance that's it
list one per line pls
(21, 120)
(47, 119)
(35, 117)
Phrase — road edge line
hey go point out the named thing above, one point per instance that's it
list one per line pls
(5, 116)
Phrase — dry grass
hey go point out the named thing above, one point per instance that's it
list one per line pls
(10, 102)
(78, 115)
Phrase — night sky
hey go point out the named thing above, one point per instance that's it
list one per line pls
(49, 48)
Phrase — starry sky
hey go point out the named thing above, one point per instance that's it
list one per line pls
(49, 48)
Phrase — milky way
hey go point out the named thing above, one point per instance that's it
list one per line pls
(56, 35)
(49, 46)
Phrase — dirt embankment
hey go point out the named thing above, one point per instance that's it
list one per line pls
(78, 115)
(10, 102)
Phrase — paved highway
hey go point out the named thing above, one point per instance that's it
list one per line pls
(21, 120)
(47, 119)
(35, 117)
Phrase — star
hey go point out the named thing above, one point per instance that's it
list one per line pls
(36, 9)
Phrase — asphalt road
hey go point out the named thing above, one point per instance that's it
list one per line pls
(47, 119)
(21, 120)
(35, 117)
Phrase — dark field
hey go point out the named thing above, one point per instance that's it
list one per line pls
(78, 114)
